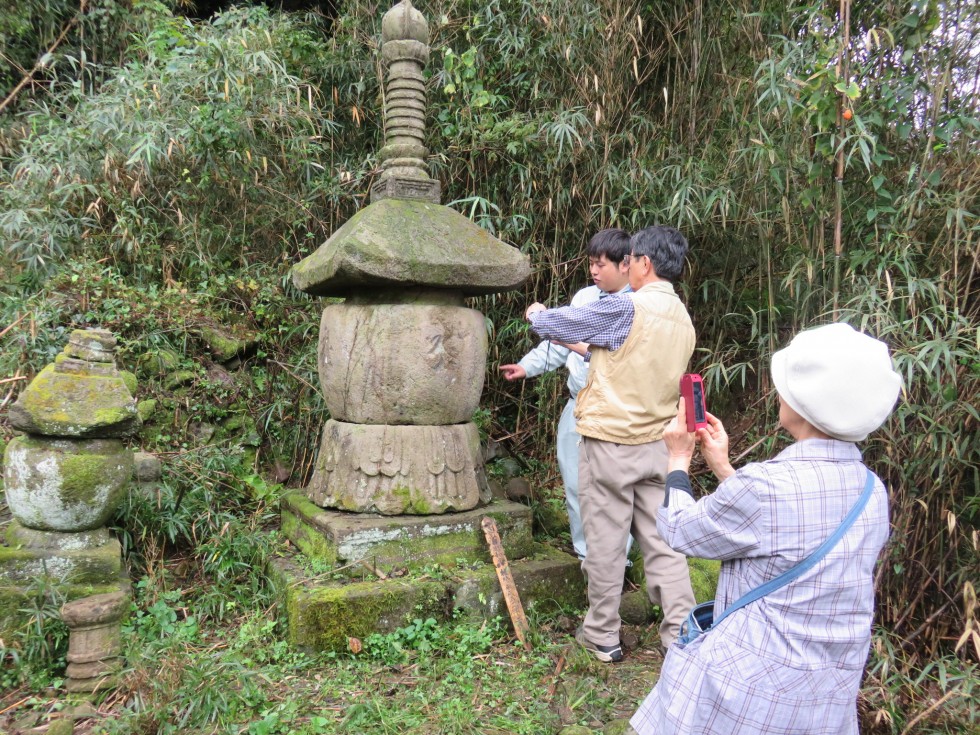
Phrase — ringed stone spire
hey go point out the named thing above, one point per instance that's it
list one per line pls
(402, 360)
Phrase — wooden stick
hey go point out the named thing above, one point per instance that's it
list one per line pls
(511, 597)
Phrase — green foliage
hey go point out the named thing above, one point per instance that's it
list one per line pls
(176, 182)
(205, 145)
(36, 654)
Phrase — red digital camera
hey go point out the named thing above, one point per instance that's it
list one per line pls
(692, 390)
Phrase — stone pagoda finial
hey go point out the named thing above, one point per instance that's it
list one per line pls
(405, 48)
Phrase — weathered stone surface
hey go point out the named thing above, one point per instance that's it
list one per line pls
(402, 363)
(74, 398)
(635, 607)
(65, 484)
(95, 640)
(400, 242)
(95, 669)
(95, 611)
(402, 542)
(322, 615)
(146, 409)
(549, 582)
(178, 379)
(90, 557)
(399, 469)
(160, 362)
(63, 726)
(147, 466)
(223, 344)
(94, 345)
(518, 489)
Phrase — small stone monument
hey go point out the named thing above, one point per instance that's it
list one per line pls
(399, 480)
(94, 643)
(67, 472)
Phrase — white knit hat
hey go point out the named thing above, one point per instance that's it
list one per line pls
(838, 379)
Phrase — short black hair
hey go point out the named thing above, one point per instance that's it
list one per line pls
(666, 248)
(613, 242)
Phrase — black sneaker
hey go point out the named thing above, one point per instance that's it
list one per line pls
(606, 654)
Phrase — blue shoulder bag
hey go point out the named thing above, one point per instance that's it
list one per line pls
(701, 618)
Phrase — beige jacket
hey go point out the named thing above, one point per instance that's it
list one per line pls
(632, 392)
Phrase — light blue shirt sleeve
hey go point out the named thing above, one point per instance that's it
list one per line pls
(544, 358)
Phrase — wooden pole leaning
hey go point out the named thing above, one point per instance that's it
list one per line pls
(511, 597)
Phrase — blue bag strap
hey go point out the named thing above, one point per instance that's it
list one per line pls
(811, 561)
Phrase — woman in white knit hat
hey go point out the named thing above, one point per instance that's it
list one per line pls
(791, 660)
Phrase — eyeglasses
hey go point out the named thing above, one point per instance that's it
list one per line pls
(630, 258)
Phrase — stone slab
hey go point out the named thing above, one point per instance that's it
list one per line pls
(398, 242)
(399, 542)
(325, 615)
(29, 556)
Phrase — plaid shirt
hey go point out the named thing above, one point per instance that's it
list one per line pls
(603, 323)
(791, 662)
(548, 356)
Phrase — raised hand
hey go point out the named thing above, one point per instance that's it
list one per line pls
(714, 447)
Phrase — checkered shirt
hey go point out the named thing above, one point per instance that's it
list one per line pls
(791, 662)
(548, 356)
(603, 323)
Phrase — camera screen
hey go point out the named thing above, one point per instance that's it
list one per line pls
(698, 403)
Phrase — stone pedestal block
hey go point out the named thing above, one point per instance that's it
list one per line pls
(65, 484)
(399, 469)
(415, 361)
(90, 557)
(94, 643)
(392, 544)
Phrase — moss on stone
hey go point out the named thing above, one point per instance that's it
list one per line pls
(324, 618)
(395, 241)
(75, 405)
(224, 346)
(314, 545)
(130, 380)
(179, 378)
(146, 408)
(159, 361)
(704, 577)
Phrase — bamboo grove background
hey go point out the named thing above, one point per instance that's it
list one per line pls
(822, 159)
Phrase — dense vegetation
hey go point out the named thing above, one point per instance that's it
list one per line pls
(159, 174)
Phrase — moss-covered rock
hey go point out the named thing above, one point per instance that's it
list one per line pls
(398, 242)
(178, 379)
(130, 380)
(65, 485)
(78, 399)
(704, 574)
(146, 408)
(223, 345)
(159, 362)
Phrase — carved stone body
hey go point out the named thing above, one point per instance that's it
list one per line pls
(419, 361)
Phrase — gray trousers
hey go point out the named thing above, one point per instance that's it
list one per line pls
(620, 489)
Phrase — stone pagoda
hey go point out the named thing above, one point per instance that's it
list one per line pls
(399, 480)
(65, 474)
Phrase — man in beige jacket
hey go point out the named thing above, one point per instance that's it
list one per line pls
(640, 345)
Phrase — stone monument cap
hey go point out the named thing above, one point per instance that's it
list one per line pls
(404, 23)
